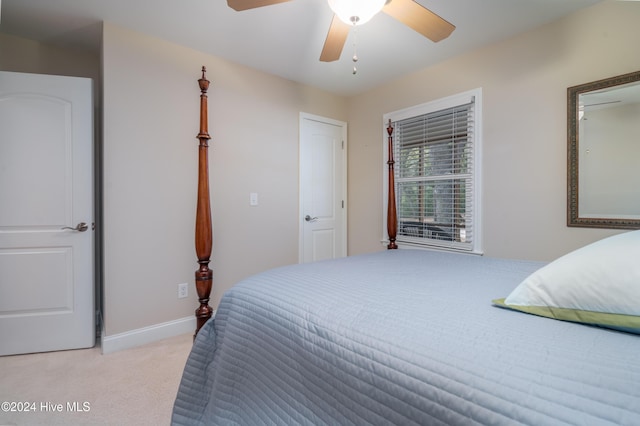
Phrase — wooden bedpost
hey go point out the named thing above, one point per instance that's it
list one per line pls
(392, 219)
(204, 275)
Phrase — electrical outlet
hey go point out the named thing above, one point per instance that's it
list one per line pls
(183, 290)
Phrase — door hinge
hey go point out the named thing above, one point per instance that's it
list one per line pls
(343, 204)
(342, 144)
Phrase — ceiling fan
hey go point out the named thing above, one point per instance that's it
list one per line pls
(348, 13)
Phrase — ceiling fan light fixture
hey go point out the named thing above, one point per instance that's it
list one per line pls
(356, 12)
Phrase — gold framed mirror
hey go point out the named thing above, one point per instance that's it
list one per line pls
(603, 153)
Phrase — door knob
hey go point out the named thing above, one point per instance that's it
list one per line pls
(81, 227)
(310, 219)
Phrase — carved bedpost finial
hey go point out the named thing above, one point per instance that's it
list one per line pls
(204, 113)
(203, 82)
(392, 219)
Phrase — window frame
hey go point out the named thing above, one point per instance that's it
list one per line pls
(426, 108)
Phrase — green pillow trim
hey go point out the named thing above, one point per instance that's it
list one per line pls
(628, 323)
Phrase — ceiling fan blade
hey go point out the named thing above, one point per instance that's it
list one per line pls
(336, 38)
(419, 18)
(240, 5)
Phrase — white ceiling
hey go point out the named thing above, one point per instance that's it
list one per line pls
(286, 39)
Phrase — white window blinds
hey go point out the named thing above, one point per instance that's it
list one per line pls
(434, 176)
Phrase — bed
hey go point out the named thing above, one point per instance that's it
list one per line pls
(423, 337)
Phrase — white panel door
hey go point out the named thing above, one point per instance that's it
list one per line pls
(46, 213)
(322, 188)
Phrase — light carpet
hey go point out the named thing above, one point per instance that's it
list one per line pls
(83, 387)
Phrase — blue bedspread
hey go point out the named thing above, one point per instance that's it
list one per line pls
(402, 337)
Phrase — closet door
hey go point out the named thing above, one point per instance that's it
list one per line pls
(46, 214)
(323, 188)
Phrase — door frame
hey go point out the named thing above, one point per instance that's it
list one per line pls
(343, 216)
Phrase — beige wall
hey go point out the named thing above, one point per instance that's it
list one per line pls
(21, 55)
(151, 110)
(524, 82)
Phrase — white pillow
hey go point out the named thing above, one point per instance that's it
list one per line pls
(597, 284)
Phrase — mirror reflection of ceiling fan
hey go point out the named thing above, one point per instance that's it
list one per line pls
(348, 13)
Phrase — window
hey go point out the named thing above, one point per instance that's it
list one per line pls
(436, 152)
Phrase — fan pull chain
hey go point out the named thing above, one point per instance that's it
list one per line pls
(355, 53)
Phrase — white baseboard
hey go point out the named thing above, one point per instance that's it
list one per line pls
(142, 336)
